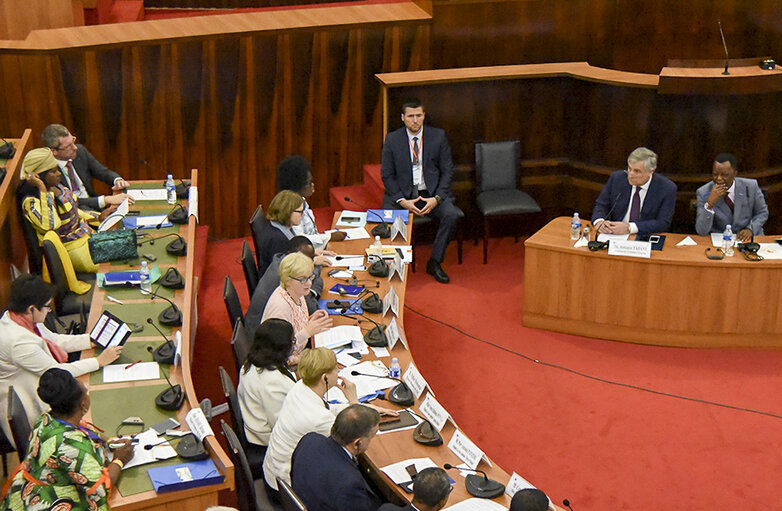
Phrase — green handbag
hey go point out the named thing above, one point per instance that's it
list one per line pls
(114, 245)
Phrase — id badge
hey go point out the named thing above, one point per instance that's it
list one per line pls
(418, 175)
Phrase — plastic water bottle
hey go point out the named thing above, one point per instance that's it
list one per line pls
(394, 371)
(575, 227)
(170, 190)
(377, 244)
(727, 241)
(143, 277)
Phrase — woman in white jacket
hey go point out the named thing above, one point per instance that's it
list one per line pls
(28, 348)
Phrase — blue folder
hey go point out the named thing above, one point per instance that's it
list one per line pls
(373, 218)
(184, 476)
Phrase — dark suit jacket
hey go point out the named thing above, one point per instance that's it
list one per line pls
(88, 168)
(273, 241)
(392, 507)
(326, 479)
(397, 169)
(657, 211)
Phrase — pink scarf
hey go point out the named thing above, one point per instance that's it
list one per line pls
(59, 354)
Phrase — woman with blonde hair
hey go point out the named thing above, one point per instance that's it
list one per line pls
(285, 211)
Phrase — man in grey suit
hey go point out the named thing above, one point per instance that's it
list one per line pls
(730, 200)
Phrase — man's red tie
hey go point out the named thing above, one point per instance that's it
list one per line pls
(729, 202)
(72, 176)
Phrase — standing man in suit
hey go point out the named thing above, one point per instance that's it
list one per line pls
(324, 470)
(431, 490)
(728, 199)
(636, 200)
(417, 169)
(78, 168)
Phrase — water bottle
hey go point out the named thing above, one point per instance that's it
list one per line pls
(170, 190)
(143, 277)
(575, 227)
(394, 371)
(727, 241)
(377, 244)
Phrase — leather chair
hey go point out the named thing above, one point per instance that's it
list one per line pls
(250, 493)
(232, 304)
(250, 267)
(258, 223)
(496, 169)
(240, 345)
(66, 302)
(5, 449)
(253, 453)
(290, 501)
(18, 422)
(34, 253)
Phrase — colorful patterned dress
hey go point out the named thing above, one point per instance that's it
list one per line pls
(63, 470)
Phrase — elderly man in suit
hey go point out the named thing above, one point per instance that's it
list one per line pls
(730, 200)
(636, 200)
(417, 168)
(324, 470)
(79, 167)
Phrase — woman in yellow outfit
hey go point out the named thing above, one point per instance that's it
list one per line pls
(50, 206)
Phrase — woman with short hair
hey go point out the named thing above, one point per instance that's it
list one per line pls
(285, 211)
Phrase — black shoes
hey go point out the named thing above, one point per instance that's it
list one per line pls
(434, 269)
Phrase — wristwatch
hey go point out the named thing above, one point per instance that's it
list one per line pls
(438, 199)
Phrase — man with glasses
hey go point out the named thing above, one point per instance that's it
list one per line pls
(636, 200)
(79, 168)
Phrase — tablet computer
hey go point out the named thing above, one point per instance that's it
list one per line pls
(109, 331)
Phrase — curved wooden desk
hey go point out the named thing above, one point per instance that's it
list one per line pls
(676, 298)
(195, 499)
(393, 447)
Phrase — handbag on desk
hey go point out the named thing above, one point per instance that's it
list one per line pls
(115, 245)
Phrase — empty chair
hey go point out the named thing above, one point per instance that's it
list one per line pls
(232, 304)
(250, 267)
(251, 493)
(258, 223)
(496, 168)
(240, 344)
(18, 422)
(253, 453)
(290, 502)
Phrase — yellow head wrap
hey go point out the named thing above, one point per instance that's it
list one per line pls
(37, 161)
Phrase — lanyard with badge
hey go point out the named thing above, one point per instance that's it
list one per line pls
(418, 177)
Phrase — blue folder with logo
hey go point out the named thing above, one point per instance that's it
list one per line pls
(389, 215)
(184, 476)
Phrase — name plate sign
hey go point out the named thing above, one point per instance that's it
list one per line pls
(415, 381)
(629, 248)
(467, 451)
(434, 412)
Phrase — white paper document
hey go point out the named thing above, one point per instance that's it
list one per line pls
(142, 455)
(115, 373)
(770, 251)
(397, 473)
(151, 220)
(198, 424)
(716, 239)
(686, 242)
(352, 219)
(338, 336)
(610, 237)
(476, 504)
(138, 194)
(367, 385)
(345, 261)
(115, 217)
(355, 233)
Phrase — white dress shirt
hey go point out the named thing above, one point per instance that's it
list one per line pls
(644, 188)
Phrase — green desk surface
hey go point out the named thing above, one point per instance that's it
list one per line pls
(132, 351)
(110, 407)
(138, 313)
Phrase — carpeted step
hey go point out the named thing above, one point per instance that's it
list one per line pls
(373, 180)
(119, 11)
(362, 196)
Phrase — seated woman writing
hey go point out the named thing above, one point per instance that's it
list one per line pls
(50, 206)
(65, 467)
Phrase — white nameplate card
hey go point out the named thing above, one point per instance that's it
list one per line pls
(434, 412)
(192, 202)
(630, 248)
(466, 450)
(396, 266)
(391, 301)
(178, 350)
(398, 227)
(392, 334)
(415, 381)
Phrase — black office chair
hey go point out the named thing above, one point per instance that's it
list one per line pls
(250, 493)
(232, 304)
(66, 302)
(258, 223)
(34, 253)
(253, 452)
(18, 423)
(240, 345)
(5, 449)
(15, 272)
(250, 267)
(290, 501)
(496, 168)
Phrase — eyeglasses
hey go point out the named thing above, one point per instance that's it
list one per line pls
(298, 210)
(305, 280)
(68, 146)
(46, 306)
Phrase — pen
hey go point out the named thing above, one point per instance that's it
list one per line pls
(131, 365)
(112, 299)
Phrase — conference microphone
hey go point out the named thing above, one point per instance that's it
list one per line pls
(382, 229)
(177, 247)
(566, 503)
(401, 395)
(171, 398)
(725, 47)
(374, 337)
(164, 354)
(477, 486)
(177, 215)
(170, 316)
(595, 245)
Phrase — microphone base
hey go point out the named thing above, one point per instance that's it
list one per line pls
(376, 337)
(401, 395)
(171, 398)
(164, 354)
(178, 247)
(382, 230)
(479, 487)
(170, 316)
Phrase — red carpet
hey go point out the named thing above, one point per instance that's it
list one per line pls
(600, 445)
